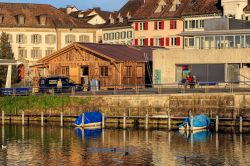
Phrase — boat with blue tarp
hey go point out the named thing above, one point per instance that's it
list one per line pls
(89, 119)
(199, 122)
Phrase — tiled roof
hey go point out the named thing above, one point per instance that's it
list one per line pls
(201, 7)
(110, 51)
(120, 52)
(131, 6)
(187, 7)
(104, 14)
(247, 8)
(31, 12)
(117, 24)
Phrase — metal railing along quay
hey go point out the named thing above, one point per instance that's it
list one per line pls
(175, 88)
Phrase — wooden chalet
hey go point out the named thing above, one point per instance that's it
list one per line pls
(112, 65)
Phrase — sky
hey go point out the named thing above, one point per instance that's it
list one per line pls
(110, 5)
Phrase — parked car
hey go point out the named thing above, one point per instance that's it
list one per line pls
(48, 83)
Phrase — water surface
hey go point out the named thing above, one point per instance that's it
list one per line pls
(53, 145)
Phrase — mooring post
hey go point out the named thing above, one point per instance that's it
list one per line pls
(42, 119)
(169, 120)
(124, 121)
(83, 120)
(61, 119)
(23, 118)
(103, 120)
(146, 122)
(217, 123)
(241, 123)
(192, 122)
(2, 117)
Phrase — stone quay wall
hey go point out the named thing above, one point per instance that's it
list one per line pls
(177, 105)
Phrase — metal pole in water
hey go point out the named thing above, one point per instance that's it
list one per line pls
(82, 119)
(61, 119)
(2, 117)
(192, 122)
(169, 120)
(241, 123)
(124, 121)
(42, 119)
(146, 122)
(217, 123)
(103, 120)
(23, 118)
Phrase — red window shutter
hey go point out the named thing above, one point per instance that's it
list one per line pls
(178, 41)
(162, 25)
(145, 42)
(171, 24)
(146, 26)
(136, 26)
(162, 41)
(136, 42)
(167, 41)
(151, 42)
(156, 25)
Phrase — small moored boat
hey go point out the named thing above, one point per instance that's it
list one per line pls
(89, 119)
(199, 122)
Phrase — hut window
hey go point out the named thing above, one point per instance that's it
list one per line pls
(128, 71)
(65, 70)
(139, 71)
(104, 71)
(50, 39)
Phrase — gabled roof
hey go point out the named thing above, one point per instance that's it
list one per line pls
(131, 6)
(202, 7)
(111, 52)
(104, 14)
(185, 8)
(147, 11)
(55, 17)
(247, 8)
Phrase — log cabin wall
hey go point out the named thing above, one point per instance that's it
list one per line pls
(81, 65)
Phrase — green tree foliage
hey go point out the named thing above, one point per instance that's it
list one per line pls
(6, 53)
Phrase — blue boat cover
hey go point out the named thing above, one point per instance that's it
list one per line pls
(198, 121)
(89, 117)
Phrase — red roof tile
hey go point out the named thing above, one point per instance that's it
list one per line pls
(55, 17)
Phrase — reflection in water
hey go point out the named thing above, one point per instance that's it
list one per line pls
(196, 136)
(50, 145)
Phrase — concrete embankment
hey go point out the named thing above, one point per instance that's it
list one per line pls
(176, 105)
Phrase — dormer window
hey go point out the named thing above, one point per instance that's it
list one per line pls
(161, 6)
(175, 6)
(112, 21)
(21, 19)
(42, 19)
(128, 16)
(1, 19)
